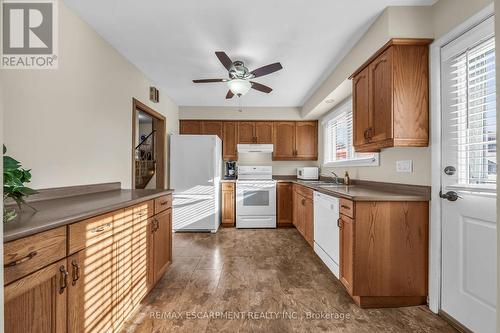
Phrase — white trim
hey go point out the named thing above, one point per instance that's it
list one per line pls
(337, 110)
(434, 298)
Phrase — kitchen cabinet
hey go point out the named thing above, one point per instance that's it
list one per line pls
(391, 97)
(228, 204)
(230, 141)
(37, 302)
(303, 209)
(295, 140)
(384, 252)
(190, 127)
(255, 132)
(284, 204)
(212, 128)
(89, 275)
(246, 132)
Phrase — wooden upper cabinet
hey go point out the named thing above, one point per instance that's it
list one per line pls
(263, 132)
(246, 132)
(306, 140)
(284, 140)
(391, 97)
(212, 128)
(190, 127)
(380, 79)
(37, 302)
(230, 141)
(361, 116)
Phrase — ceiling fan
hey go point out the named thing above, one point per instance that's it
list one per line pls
(239, 76)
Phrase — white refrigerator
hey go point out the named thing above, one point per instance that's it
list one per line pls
(195, 174)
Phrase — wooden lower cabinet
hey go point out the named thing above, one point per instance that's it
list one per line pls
(383, 253)
(95, 288)
(228, 204)
(303, 212)
(162, 245)
(37, 302)
(284, 206)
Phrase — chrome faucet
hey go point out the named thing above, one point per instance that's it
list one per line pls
(335, 178)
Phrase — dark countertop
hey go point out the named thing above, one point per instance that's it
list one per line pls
(366, 190)
(54, 213)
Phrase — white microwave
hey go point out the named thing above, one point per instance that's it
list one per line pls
(308, 173)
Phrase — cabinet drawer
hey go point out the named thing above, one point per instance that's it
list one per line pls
(26, 255)
(89, 232)
(163, 203)
(143, 210)
(228, 186)
(304, 191)
(347, 207)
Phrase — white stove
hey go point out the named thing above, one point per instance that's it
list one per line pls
(255, 197)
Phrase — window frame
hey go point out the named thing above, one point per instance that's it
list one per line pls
(365, 161)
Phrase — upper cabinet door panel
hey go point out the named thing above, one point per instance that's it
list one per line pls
(246, 132)
(306, 140)
(230, 140)
(284, 140)
(361, 112)
(264, 132)
(381, 97)
(190, 127)
(212, 128)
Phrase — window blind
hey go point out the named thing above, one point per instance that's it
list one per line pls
(473, 113)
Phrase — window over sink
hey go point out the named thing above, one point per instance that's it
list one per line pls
(338, 139)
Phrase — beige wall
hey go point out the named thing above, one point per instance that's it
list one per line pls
(273, 113)
(73, 125)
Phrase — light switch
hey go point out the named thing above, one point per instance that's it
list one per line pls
(404, 166)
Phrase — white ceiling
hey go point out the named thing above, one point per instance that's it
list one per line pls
(173, 42)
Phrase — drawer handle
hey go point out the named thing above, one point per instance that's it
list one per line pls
(101, 228)
(345, 207)
(20, 261)
(163, 203)
(75, 272)
(64, 279)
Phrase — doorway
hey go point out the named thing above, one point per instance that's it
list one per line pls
(468, 176)
(148, 147)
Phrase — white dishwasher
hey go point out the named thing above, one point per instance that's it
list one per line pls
(326, 230)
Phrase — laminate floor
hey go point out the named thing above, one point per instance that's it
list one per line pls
(261, 281)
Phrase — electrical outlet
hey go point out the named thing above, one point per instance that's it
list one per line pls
(404, 166)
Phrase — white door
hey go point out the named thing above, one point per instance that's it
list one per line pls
(468, 291)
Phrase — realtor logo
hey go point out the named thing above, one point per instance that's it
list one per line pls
(29, 39)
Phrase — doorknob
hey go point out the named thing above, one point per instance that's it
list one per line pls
(450, 195)
(450, 170)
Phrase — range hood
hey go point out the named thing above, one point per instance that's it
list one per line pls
(255, 148)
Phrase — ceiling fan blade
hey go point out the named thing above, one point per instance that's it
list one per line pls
(267, 69)
(209, 80)
(224, 59)
(261, 87)
(229, 94)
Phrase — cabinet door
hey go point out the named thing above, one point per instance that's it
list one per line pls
(162, 255)
(284, 195)
(284, 140)
(230, 141)
(306, 140)
(346, 252)
(212, 128)
(300, 218)
(90, 290)
(360, 111)
(37, 302)
(264, 132)
(246, 132)
(142, 262)
(190, 127)
(309, 222)
(228, 205)
(381, 98)
(122, 266)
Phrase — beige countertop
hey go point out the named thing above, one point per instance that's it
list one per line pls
(365, 190)
(57, 212)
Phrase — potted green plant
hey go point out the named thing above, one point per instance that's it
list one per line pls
(14, 180)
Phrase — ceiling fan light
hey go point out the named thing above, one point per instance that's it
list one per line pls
(239, 86)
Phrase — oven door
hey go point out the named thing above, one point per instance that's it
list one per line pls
(254, 198)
